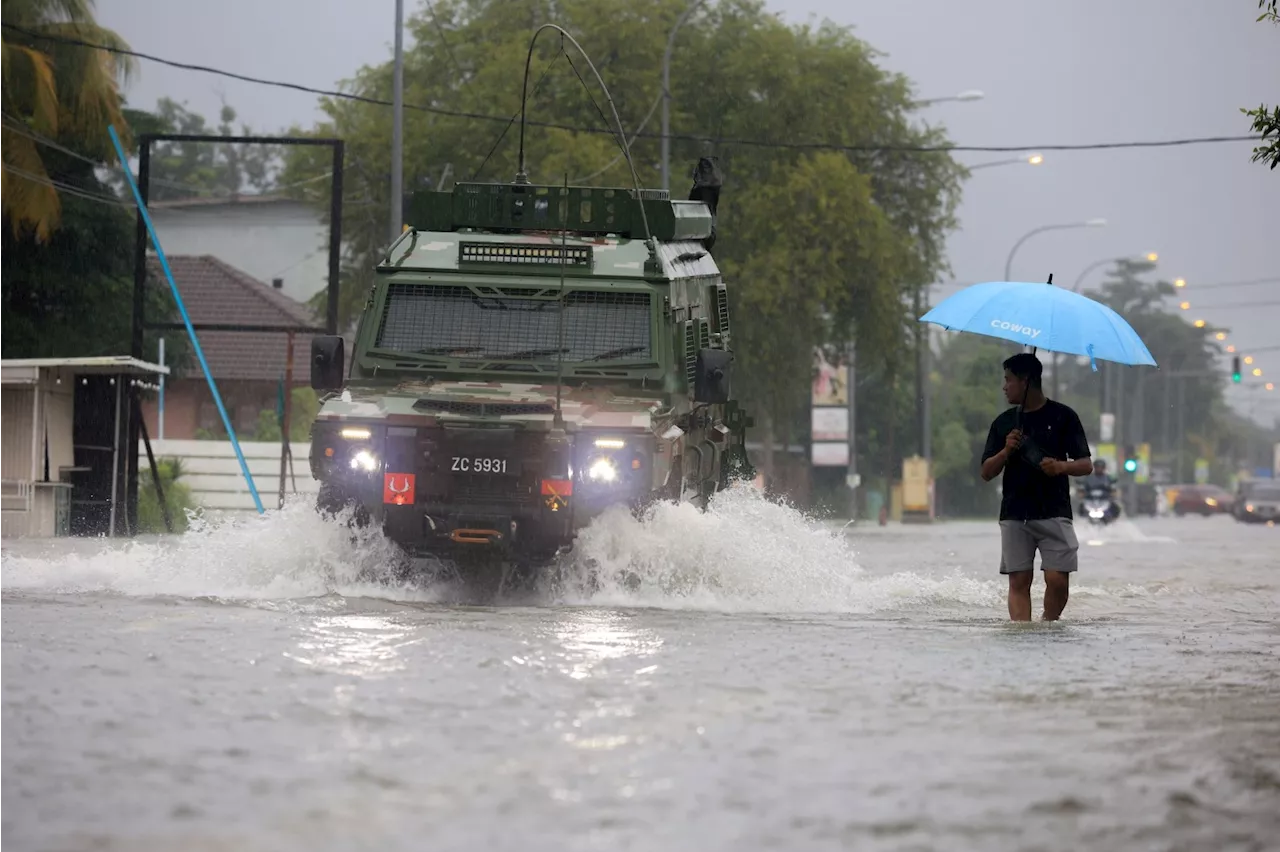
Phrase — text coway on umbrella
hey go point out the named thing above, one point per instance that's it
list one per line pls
(1015, 328)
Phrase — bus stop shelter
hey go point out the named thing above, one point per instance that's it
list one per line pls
(64, 445)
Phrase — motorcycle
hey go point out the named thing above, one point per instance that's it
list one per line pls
(1099, 506)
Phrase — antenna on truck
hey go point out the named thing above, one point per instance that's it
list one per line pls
(558, 420)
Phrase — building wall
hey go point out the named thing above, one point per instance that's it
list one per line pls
(18, 407)
(284, 239)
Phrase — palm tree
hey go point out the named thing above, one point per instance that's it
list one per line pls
(54, 91)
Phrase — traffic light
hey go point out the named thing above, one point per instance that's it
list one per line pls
(1235, 369)
(1130, 459)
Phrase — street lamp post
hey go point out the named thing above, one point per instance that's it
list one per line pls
(666, 92)
(1008, 264)
(397, 127)
(967, 95)
(1150, 257)
(1029, 160)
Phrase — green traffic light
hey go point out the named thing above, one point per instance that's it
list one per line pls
(1235, 377)
(1130, 465)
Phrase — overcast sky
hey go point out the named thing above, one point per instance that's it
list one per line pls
(1052, 73)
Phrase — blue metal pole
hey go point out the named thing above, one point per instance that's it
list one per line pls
(182, 309)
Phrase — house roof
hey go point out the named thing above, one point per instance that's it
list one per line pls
(216, 292)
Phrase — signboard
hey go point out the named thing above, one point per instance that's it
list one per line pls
(1107, 452)
(1202, 471)
(1143, 473)
(1161, 474)
(830, 381)
(915, 484)
(1107, 428)
(830, 454)
(830, 424)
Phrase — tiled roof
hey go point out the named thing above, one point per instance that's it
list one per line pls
(216, 292)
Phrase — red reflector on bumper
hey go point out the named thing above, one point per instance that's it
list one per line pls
(557, 487)
(397, 488)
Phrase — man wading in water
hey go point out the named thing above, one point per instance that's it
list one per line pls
(1037, 448)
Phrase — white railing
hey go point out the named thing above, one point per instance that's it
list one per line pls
(212, 472)
(15, 495)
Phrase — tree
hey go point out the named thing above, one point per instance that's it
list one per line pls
(54, 93)
(202, 169)
(967, 397)
(737, 73)
(1148, 401)
(72, 294)
(1264, 122)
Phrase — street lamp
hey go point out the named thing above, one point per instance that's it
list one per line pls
(1029, 159)
(666, 92)
(1186, 306)
(1200, 323)
(1179, 283)
(1151, 257)
(1008, 264)
(967, 95)
(397, 127)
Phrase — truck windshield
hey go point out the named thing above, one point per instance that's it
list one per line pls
(515, 323)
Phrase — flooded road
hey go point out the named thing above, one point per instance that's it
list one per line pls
(764, 682)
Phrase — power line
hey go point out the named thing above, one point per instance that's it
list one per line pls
(15, 125)
(754, 143)
(70, 189)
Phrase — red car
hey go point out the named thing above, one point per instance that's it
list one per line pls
(1202, 500)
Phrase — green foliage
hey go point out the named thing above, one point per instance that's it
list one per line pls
(1177, 346)
(1266, 122)
(201, 169)
(72, 294)
(304, 407)
(177, 497)
(54, 92)
(967, 397)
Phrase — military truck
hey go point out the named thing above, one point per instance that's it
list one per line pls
(527, 356)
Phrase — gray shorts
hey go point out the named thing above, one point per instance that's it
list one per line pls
(1054, 537)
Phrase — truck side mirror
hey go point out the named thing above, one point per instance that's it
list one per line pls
(327, 357)
(711, 376)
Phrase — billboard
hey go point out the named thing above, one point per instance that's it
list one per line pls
(830, 386)
(830, 454)
(830, 424)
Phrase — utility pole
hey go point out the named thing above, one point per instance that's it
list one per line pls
(397, 127)
(922, 377)
(852, 479)
(666, 92)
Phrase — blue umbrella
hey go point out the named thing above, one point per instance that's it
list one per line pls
(1044, 317)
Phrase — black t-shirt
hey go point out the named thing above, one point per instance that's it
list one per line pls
(1028, 493)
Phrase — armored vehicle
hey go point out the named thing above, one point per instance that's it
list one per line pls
(527, 357)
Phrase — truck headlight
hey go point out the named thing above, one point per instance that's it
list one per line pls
(364, 460)
(602, 470)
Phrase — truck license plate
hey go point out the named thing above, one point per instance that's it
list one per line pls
(466, 464)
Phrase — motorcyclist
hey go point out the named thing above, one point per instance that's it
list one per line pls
(1100, 479)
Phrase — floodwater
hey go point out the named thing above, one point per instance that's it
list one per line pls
(762, 682)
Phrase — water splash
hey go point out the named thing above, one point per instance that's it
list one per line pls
(744, 553)
(290, 553)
